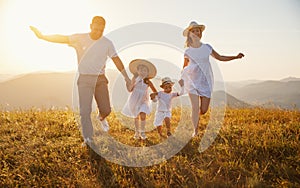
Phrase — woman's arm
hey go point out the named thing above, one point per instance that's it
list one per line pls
(225, 58)
(185, 62)
(50, 38)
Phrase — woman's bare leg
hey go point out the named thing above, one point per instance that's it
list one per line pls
(204, 105)
(195, 112)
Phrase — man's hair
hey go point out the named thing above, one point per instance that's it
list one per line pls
(98, 19)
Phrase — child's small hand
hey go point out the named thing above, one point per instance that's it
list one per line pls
(146, 81)
(181, 82)
(152, 95)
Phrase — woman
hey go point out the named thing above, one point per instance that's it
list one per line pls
(197, 72)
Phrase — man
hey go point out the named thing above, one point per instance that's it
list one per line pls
(92, 51)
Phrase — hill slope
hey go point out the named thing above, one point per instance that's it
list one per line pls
(56, 89)
(43, 149)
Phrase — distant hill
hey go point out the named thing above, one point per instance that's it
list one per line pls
(222, 98)
(39, 90)
(5, 77)
(56, 89)
(284, 94)
(288, 79)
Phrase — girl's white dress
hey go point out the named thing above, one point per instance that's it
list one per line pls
(138, 100)
(198, 75)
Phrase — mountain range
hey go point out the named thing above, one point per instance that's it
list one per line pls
(46, 90)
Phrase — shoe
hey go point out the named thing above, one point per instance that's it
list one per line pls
(136, 135)
(169, 134)
(194, 134)
(104, 125)
(86, 141)
(143, 136)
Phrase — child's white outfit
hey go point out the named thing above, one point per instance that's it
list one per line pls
(138, 100)
(164, 106)
(198, 75)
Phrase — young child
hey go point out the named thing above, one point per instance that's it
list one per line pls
(197, 72)
(163, 111)
(137, 105)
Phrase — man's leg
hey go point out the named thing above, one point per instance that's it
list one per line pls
(86, 87)
(102, 97)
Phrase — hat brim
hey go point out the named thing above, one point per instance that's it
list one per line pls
(135, 63)
(186, 31)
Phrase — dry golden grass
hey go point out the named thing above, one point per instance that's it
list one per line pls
(255, 148)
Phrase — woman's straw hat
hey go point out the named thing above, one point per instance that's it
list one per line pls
(192, 25)
(133, 65)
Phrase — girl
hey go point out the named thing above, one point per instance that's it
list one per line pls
(137, 105)
(197, 72)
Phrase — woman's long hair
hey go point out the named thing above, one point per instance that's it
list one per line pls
(188, 40)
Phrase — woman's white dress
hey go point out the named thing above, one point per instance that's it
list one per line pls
(198, 75)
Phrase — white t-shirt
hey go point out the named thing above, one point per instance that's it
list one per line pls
(164, 101)
(92, 54)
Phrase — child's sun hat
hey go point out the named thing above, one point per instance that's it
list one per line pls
(133, 65)
(166, 80)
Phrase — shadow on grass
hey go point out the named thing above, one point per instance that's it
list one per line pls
(114, 175)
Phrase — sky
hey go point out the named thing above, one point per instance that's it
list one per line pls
(267, 32)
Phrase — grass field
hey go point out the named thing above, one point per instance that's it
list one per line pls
(254, 148)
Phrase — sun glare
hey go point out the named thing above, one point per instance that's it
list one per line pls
(31, 54)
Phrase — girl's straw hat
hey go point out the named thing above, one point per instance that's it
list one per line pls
(133, 65)
(192, 25)
(166, 80)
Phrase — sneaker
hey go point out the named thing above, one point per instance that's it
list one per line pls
(194, 134)
(169, 133)
(104, 125)
(136, 135)
(86, 141)
(143, 136)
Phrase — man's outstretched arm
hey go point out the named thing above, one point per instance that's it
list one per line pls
(50, 38)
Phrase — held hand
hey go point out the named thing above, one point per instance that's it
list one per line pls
(127, 80)
(128, 85)
(181, 82)
(36, 32)
(240, 55)
(152, 96)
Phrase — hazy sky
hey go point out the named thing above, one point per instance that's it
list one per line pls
(266, 31)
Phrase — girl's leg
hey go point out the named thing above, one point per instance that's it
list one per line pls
(195, 112)
(159, 130)
(137, 128)
(204, 105)
(168, 125)
(143, 125)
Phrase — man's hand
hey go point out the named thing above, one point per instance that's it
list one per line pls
(36, 32)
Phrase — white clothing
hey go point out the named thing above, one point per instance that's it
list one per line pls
(164, 106)
(92, 54)
(198, 75)
(138, 100)
(164, 100)
(160, 117)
